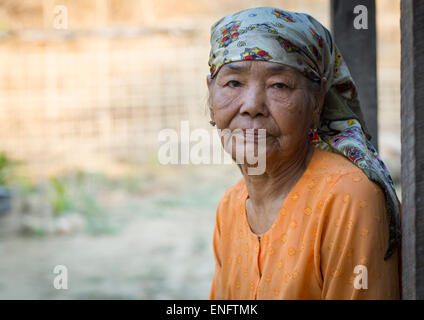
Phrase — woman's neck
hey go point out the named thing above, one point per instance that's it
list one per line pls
(274, 185)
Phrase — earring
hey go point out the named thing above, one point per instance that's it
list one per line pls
(213, 123)
(313, 134)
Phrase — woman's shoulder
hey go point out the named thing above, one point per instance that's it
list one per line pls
(232, 195)
(235, 191)
(329, 163)
(358, 185)
(344, 178)
(354, 202)
(230, 203)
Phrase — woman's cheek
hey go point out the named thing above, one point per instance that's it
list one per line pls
(225, 97)
(292, 130)
(293, 113)
(289, 120)
(225, 107)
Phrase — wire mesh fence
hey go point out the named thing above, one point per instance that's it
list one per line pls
(63, 101)
(73, 97)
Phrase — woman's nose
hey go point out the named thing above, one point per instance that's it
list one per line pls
(254, 102)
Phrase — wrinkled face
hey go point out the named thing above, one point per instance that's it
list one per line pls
(265, 95)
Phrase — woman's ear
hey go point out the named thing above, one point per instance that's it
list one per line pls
(208, 81)
(209, 84)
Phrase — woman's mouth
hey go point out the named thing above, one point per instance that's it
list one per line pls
(255, 133)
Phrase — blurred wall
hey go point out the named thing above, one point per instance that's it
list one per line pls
(101, 90)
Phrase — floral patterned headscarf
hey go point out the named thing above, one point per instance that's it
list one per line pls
(300, 41)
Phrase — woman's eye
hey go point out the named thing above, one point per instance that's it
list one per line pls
(280, 85)
(233, 83)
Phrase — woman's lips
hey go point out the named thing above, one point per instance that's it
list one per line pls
(255, 133)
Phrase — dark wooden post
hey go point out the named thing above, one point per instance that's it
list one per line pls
(412, 117)
(358, 47)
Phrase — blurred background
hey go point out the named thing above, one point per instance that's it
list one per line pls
(80, 112)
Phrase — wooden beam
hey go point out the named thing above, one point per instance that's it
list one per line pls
(412, 152)
(358, 48)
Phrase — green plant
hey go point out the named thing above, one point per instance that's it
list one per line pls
(26, 185)
(72, 193)
(6, 169)
(59, 199)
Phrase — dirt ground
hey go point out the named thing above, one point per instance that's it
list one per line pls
(152, 239)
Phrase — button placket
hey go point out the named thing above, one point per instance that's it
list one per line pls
(258, 255)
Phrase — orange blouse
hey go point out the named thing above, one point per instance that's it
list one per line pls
(327, 242)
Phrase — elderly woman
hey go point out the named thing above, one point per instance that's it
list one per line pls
(322, 220)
